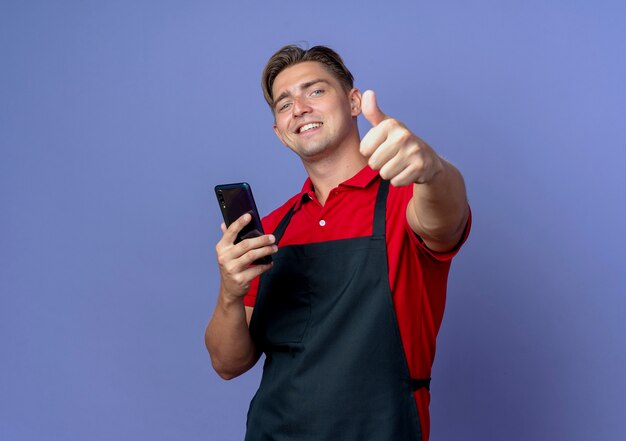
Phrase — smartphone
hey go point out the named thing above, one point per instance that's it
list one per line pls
(235, 200)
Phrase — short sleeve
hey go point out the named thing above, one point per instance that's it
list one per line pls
(445, 256)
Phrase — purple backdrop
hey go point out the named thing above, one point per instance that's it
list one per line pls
(117, 118)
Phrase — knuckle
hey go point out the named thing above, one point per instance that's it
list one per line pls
(365, 148)
(418, 173)
(394, 124)
(245, 245)
(254, 255)
(235, 226)
(229, 267)
(418, 162)
(418, 168)
(404, 136)
(414, 149)
(415, 159)
(239, 279)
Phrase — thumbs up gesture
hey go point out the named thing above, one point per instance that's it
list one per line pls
(398, 154)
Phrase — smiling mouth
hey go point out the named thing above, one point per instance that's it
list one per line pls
(310, 126)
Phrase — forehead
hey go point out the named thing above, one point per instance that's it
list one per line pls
(294, 76)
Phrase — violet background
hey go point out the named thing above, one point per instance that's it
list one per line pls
(117, 119)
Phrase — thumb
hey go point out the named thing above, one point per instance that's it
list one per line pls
(370, 108)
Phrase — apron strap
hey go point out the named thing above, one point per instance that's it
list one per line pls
(418, 383)
(282, 226)
(380, 209)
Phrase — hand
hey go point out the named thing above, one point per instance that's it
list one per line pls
(392, 148)
(234, 260)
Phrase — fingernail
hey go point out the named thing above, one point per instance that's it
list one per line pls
(274, 248)
(272, 238)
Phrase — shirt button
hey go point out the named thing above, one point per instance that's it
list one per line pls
(322, 223)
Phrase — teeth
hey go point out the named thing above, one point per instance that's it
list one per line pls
(310, 126)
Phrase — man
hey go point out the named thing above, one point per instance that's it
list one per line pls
(348, 312)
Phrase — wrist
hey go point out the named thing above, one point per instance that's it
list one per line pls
(229, 301)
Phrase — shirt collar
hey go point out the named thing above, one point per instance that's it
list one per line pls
(361, 180)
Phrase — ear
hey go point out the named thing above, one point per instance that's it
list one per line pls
(278, 133)
(355, 102)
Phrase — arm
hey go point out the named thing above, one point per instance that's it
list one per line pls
(438, 210)
(227, 337)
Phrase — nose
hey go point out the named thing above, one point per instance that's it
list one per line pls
(300, 107)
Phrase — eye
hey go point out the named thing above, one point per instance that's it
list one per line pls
(282, 107)
(317, 92)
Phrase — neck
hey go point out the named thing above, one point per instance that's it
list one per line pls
(327, 173)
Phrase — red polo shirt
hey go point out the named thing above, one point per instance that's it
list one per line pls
(417, 275)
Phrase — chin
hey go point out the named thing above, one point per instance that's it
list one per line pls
(313, 152)
(310, 150)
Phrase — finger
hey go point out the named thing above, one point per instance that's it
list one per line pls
(370, 109)
(239, 282)
(258, 253)
(237, 268)
(237, 254)
(223, 227)
(407, 176)
(254, 271)
(233, 229)
(234, 260)
(253, 243)
(383, 154)
(392, 168)
(372, 140)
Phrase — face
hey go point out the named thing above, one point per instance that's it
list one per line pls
(314, 114)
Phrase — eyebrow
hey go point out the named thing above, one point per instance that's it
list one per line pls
(303, 86)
